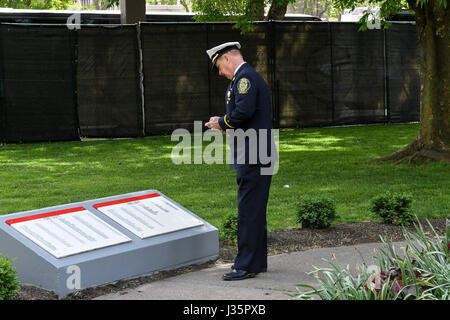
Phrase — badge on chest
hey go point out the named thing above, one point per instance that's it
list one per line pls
(243, 85)
(229, 96)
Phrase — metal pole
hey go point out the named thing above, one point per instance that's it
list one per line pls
(387, 111)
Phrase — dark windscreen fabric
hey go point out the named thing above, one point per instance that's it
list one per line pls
(358, 74)
(2, 100)
(58, 84)
(176, 75)
(38, 99)
(109, 96)
(403, 53)
(303, 74)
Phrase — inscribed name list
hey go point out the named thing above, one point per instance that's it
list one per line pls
(149, 215)
(67, 232)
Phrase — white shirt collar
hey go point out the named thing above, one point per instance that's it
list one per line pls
(239, 66)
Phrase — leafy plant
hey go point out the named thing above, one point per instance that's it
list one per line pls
(420, 273)
(316, 212)
(230, 228)
(393, 208)
(9, 285)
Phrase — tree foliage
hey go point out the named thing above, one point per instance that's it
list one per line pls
(387, 8)
(36, 4)
(112, 3)
(243, 12)
(319, 8)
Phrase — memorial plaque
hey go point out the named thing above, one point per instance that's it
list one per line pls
(148, 215)
(93, 242)
(67, 232)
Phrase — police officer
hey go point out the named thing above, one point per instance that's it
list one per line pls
(248, 107)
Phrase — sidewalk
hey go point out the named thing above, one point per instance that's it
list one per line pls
(284, 272)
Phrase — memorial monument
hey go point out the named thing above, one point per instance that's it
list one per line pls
(80, 245)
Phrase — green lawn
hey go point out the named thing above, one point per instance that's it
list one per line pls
(325, 161)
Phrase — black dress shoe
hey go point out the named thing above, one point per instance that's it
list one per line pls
(262, 270)
(238, 275)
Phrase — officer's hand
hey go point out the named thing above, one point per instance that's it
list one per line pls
(214, 124)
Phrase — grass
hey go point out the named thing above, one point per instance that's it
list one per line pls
(325, 161)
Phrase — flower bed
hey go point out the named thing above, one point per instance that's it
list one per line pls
(420, 272)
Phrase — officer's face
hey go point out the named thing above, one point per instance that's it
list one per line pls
(225, 67)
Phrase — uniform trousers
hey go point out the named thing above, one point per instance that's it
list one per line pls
(253, 195)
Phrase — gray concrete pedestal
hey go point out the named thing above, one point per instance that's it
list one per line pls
(136, 256)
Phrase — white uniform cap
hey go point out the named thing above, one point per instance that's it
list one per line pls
(219, 50)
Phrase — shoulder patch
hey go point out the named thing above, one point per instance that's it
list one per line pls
(243, 85)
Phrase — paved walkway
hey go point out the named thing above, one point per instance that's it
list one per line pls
(284, 272)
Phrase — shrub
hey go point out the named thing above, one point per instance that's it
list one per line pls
(9, 285)
(420, 273)
(393, 208)
(316, 212)
(229, 227)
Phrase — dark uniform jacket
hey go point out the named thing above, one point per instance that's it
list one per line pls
(248, 105)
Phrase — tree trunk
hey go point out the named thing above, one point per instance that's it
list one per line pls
(277, 10)
(433, 140)
(256, 9)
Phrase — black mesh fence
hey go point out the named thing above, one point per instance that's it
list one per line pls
(403, 82)
(2, 93)
(37, 83)
(176, 82)
(180, 87)
(303, 74)
(108, 81)
(358, 74)
(58, 84)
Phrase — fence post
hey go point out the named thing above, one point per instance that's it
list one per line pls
(272, 70)
(331, 72)
(74, 44)
(140, 61)
(208, 70)
(387, 111)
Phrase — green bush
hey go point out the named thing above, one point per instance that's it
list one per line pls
(393, 208)
(9, 285)
(420, 272)
(316, 212)
(230, 228)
